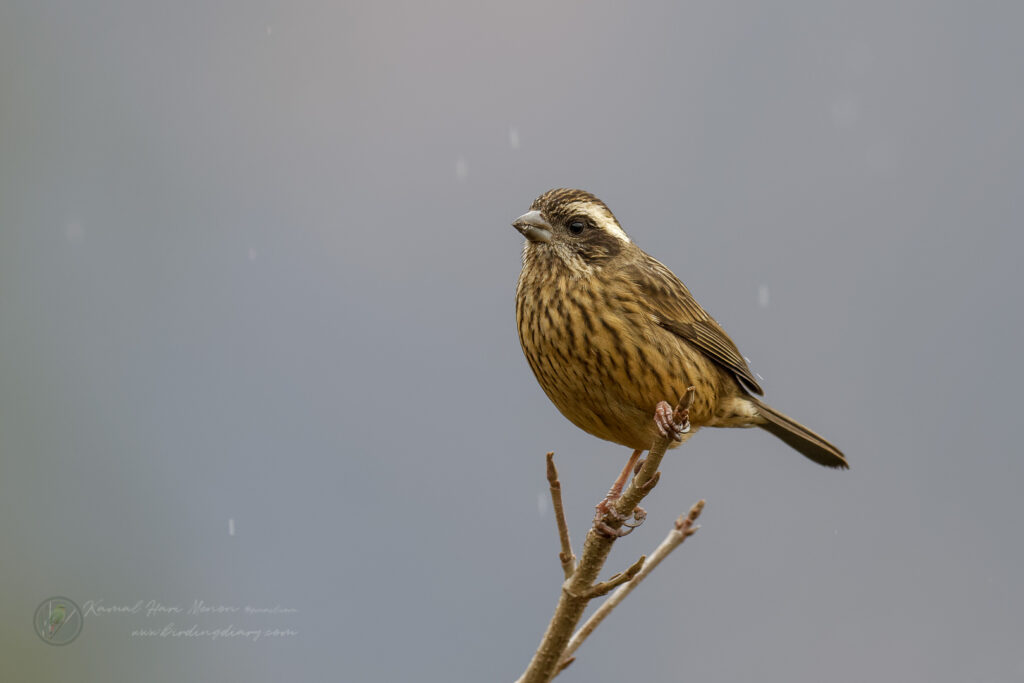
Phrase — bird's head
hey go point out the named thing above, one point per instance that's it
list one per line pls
(574, 226)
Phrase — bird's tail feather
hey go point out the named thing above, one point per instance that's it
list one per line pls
(800, 438)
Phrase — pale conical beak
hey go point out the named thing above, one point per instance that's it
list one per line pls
(533, 226)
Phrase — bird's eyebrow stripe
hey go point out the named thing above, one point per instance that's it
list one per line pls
(600, 215)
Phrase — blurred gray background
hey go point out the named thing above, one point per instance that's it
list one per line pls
(257, 275)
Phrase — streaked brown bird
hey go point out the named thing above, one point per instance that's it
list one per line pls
(610, 332)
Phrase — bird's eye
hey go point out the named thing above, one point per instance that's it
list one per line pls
(576, 227)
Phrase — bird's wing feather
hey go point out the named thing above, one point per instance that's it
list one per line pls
(675, 310)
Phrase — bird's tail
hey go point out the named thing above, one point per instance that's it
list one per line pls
(799, 437)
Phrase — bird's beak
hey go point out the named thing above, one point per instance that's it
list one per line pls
(533, 226)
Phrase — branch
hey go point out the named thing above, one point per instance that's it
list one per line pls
(684, 528)
(648, 476)
(566, 557)
(606, 587)
(576, 591)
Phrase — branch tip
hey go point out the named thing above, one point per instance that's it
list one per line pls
(686, 521)
(686, 402)
(565, 556)
(565, 665)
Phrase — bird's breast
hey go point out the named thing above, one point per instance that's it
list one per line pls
(601, 358)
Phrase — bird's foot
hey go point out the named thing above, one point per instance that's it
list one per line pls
(670, 423)
(606, 510)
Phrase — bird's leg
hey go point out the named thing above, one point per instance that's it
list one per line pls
(615, 492)
(669, 424)
(607, 506)
(672, 423)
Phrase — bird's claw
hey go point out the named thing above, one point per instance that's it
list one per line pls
(639, 515)
(671, 424)
(607, 531)
(605, 510)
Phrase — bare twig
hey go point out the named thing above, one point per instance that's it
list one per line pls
(548, 658)
(565, 665)
(606, 587)
(566, 557)
(684, 528)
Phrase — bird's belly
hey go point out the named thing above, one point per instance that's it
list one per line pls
(607, 373)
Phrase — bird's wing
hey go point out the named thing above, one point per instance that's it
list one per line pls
(675, 310)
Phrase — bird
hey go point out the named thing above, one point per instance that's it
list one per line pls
(610, 332)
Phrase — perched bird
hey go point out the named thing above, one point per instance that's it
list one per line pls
(610, 332)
